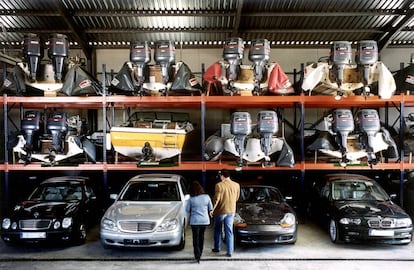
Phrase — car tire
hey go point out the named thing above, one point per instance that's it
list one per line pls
(181, 245)
(333, 231)
(81, 234)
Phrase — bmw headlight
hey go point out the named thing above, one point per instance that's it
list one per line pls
(108, 224)
(6, 223)
(288, 220)
(403, 222)
(168, 225)
(350, 221)
(66, 222)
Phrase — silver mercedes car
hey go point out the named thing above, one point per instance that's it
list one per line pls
(148, 212)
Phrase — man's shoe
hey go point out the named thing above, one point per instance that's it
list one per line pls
(228, 255)
(215, 250)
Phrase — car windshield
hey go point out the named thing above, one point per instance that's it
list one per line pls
(57, 192)
(259, 194)
(360, 190)
(151, 191)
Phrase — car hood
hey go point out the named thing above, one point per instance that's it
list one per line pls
(153, 211)
(262, 213)
(36, 209)
(369, 208)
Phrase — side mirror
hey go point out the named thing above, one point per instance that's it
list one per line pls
(113, 196)
(393, 197)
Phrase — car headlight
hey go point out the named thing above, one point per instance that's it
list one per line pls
(403, 222)
(108, 224)
(6, 223)
(288, 220)
(56, 225)
(350, 221)
(66, 222)
(239, 221)
(168, 225)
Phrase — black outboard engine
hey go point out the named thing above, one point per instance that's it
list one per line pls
(341, 55)
(240, 127)
(57, 126)
(259, 55)
(267, 125)
(58, 52)
(342, 125)
(32, 54)
(366, 56)
(368, 123)
(140, 55)
(31, 126)
(233, 54)
(164, 56)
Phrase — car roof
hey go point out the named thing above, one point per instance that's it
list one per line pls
(339, 176)
(57, 179)
(156, 177)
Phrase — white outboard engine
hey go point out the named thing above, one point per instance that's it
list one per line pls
(341, 55)
(58, 52)
(32, 54)
(259, 54)
(164, 56)
(31, 126)
(342, 125)
(140, 55)
(368, 124)
(233, 55)
(366, 56)
(267, 125)
(57, 126)
(240, 127)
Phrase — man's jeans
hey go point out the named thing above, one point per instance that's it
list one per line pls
(226, 221)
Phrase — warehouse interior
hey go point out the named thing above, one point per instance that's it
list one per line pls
(300, 35)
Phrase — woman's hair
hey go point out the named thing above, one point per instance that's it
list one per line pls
(225, 173)
(196, 189)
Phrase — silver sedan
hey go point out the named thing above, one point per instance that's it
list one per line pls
(148, 212)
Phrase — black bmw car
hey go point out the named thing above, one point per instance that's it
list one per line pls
(355, 208)
(264, 217)
(59, 209)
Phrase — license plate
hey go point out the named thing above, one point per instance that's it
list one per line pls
(381, 233)
(33, 235)
(136, 242)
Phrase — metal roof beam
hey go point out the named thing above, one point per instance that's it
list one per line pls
(236, 24)
(396, 25)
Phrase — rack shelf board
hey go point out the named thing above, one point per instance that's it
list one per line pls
(154, 101)
(354, 101)
(53, 102)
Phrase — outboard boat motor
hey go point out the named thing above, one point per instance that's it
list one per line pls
(164, 56)
(259, 54)
(140, 55)
(342, 125)
(341, 55)
(32, 54)
(366, 56)
(368, 123)
(233, 54)
(58, 52)
(267, 125)
(57, 126)
(240, 127)
(31, 126)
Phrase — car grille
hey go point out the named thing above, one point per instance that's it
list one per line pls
(381, 223)
(35, 224)
(134, 226)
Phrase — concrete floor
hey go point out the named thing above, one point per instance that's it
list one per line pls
(313, 250)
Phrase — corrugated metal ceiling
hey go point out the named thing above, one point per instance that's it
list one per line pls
(91, 24)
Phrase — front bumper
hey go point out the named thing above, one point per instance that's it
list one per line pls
(36, 236)
(266, 234)
(354, 233)
(148, 239)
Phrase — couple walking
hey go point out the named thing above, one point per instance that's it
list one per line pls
(223, 208)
